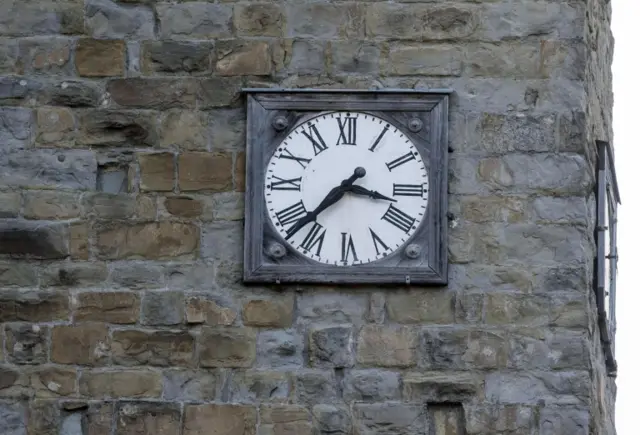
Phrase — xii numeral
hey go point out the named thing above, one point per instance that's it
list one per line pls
(347, 128)
(407, 189)
(400, 160)
(313, 238)
(348, 248)
(398, 218)
(286, 184)
(316, 140)
(291, 214)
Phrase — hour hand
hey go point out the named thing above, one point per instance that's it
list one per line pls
(359, 190)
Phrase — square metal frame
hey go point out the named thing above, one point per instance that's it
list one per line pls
(396, 106)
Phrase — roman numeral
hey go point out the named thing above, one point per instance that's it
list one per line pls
(377, 240)
(291, 214)
(284, 184)
(401, 160)
(313, 238)
(348, 248)
(301, 161)
(398, 218)
(407, 189)
(347, 131)
(379, 138)
(316, 139)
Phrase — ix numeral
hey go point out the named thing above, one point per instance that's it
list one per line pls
(379, 138)
(316, 139)
(347, 128)
(301, 161)
(377, 240)
(284, 184)
(398, 218)
(348, 248)
(314, 237)
(401, 160)
(291, 214)
(407, 189)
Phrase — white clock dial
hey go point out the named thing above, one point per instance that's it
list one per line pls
(372, 157)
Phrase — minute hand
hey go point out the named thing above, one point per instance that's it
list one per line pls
(359, 190)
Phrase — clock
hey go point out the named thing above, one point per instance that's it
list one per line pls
(346, 186)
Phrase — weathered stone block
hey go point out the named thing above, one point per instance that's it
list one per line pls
(531, 387)
(425, 60)
(387, 346)
(51, 205)
(570, 311)
(106, 19)
(163, 308)
(390, 419)
(355, 57)
(539, 349)
(100, 58)
(331, 346)
(330, 419)
(227, 347)
(26, 343)
(441, 386)
(157, 171)
(284, 420)
(446, 419)
(259, 386)
(108, 307)
(147, 418)
(197, 20)
(571, 210)
(239, 171)
(184, 129)
(34, 306)
(219, 91)
(176, 57)
(200, 310)
(135, 276)
(371, 386)
(183, 206)
(500, 418)
(421, 307)
(44, 417)
(315, 386)
(111, 128)
(191, 385)
(504, 308)
(505, 59)
(521, 132)
(153, 93)
(275, 313)
(219, 420)
(205, 171)
(49, 169)
(85, 344)
(444, 348)
(13, 418)
(241, 58)
(99, 417)
(331, 307)
(10, 203)
(155, 348)
(9, 54)
(56, 127)
(152, 240)
(260, 19)
(327, 21)
(220, 242)
(17, 129)
(307, 57)
(18, 274)
(279, 348)
(112, 206)
(121, 384)
(79, 241)
(564, 420)
(21, 18)
(227, 129)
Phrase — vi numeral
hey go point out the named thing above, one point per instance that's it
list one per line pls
(348, 248)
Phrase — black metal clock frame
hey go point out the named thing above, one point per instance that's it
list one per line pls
(420, 115)
(607, 200)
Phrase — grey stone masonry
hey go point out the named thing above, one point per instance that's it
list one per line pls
(122, 171)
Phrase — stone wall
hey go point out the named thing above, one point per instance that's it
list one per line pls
(121, 204)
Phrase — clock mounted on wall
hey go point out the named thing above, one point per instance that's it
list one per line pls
(346, 186)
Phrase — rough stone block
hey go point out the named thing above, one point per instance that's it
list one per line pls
(441, 386)
(106, 19)
(10, 203)
(100, 58)
(194, 20)
(191, 385)
(275, 313)
(571, 210)
(227, 129)
(355, 57)
(51, 205)
(315, 386)
(108, 307)
(183, 206)
(241, 58)
(200, 310)
(531, 387)
(259, 19)
(112, 206)
(13, 418)
(570, 311)
(44, 417)
(20, 18)
(331, 307)
(34, 306)
(539, 349)
(176, 57)
(155, 348)
(390, 419)
(446, 419)
(219, 92)
(56, 127)
(219, 420)
(220, 242)
(85, 344)
(147, 418)
(418, 306)
(371, 386)
(330, 419)
(564, 420)
(239, 171)
(205, 171)
(184, 129)
(259, 386)
(498, 133)
(9, 57)
(153, 93)
(505, 308)
(163, 308)
(500, 418)
(49, 169)
(17, 128)
(117, 128)
(99, 417)
(73, 275)
(307, 57)
(505, 59)
(26, 343)
(425, 60)
(18, 274)
(137, 276)
(157, 171)
(332, 346)
(121, 384)
(387, 346)
(284, 420)
(326, 21)
(502, 208)
(153, 240)
(279, 348)
(227, 347)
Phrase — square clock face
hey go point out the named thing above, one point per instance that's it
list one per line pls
(346, 187)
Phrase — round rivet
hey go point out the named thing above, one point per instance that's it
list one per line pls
(276, 250)
(280, 123)
(61, 158)
(413, 251)
(415, 125)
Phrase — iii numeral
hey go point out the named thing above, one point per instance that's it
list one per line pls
(315, 237)
(407, 189)
(301, 161)
(316, 139)
(379, 138)
(284, 184)
(377, 240)
(400, 160)
(347, 128)
(398, 218)
(348, 248)
(291, 214)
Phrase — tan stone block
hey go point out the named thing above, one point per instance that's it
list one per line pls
(109, 307)
(183, 206)
(32, 306)
(155, 348)
(219, 420)
(240, 171)
(43, 417)
(51, 205)
(10, 203)
(50, 382)
(483, 209)
(56, 127)
(241, 58)
(205, 171)
(419, 306)
(387, 346)
(14, 383)
(227, 347)
(201, 310)
(140, 418)
(150, 240)
(121, 384)
(506, 308)
(154, 93)
(284, 420)
(99, 417)
(259, 19)
(187, 130)
(157, 171)
(270, 313)
(79, 241)
(425, 60)
(86, 344)
(100, 58)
